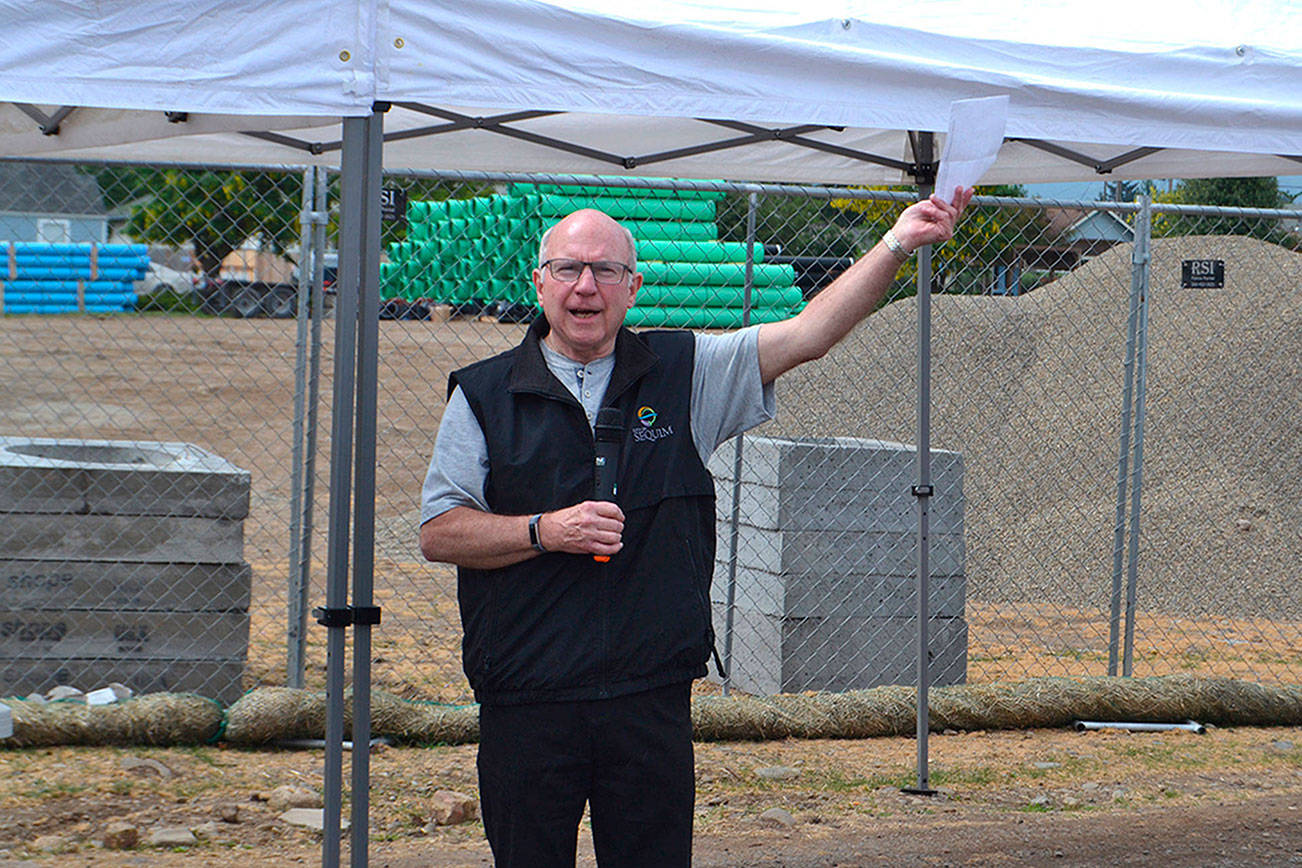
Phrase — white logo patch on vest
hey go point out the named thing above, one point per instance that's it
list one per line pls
(649, 432)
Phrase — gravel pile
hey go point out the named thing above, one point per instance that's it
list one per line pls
(1029, 390)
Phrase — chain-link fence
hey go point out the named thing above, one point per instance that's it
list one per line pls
(1059, 545)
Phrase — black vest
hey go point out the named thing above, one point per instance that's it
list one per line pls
(563, 627)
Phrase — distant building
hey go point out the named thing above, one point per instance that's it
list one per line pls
(50, 202)
(1071, 237)
(1074, 237)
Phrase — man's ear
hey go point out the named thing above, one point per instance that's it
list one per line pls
(537, 285)
(634, 285)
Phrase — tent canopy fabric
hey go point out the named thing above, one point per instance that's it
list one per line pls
(825, 92)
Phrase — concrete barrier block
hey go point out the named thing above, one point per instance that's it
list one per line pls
(790, 655)
(841, 595)
(836, 486)
(43, 475)
(70, 584)
(868, 552)
(121, 635)
(131, 538)
(826, 560)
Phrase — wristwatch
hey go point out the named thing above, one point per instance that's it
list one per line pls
(534, 539)
(895, 247)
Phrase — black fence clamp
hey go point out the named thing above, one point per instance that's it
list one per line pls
(346, 616)
(923, 491)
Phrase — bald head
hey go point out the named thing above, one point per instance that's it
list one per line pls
(586, 224)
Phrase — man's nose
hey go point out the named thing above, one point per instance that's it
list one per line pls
(587, 281)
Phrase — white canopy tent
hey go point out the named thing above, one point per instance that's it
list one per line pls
(820, 92)
(834, 91)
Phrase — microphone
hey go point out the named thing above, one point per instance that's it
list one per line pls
(609, 434)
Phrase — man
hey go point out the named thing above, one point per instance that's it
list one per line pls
(583, 667)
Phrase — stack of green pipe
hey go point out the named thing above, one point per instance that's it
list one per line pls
(484, 248)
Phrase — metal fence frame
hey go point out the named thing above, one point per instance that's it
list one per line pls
(354, 434)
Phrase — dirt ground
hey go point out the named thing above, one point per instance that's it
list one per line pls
(1230, 797)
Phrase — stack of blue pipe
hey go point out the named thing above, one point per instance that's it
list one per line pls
(60, 278)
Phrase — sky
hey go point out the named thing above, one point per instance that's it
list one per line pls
(1090, 190)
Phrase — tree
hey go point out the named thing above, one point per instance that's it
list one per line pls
(1125, 191)
(214, 212)
(797, 225)
(1225, 193)
(986, 239)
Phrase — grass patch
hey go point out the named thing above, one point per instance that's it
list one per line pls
(835, 781)
(42, 789)
(169, 301)
(979, 776)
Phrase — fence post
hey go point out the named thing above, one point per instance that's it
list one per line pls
(1138, 270)
(1143, 237)
(922, 491)
(751, 202)
(296, 626)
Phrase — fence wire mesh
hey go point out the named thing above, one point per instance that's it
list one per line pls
(129, 557)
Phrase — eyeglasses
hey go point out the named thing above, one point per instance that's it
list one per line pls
(570, 270)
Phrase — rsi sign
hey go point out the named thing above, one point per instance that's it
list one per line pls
(1202, 274)
(393, 205)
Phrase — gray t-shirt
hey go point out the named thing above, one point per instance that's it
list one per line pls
(727, 399)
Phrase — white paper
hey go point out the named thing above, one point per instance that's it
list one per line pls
(976, 130)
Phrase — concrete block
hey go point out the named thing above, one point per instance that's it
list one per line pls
(802, 508)
(132, 538)
(826, 558)
(845, 595)
(122, 561)
(69, 584)
(885, 552)
(222, 680)
(831, 463)
(42, 475)
(119, 635)
(790, 655)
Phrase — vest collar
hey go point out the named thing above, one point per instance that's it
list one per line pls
(529, 371)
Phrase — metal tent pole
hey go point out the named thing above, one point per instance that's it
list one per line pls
(1143, 235)
(1138, 268)
(752, 202)
(334, 616)
(922, 491)
(365, 613)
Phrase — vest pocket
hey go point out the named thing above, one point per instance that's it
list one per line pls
(480, 664)
(700, 578)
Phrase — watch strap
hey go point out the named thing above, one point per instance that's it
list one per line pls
(534, 539)
(895, 247)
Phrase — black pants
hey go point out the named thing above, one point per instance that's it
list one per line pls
(630, 758)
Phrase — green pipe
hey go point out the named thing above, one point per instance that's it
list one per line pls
(697, 251)
(698, 318)
(715, 273)
(635, 209)
(671, 230)
(772, 297)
